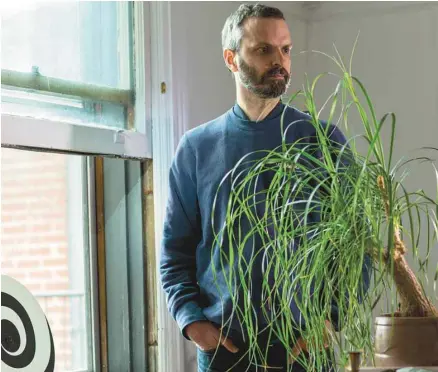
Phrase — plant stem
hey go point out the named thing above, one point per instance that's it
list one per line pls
(414, 302)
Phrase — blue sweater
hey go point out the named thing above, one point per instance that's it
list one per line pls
(203, 157)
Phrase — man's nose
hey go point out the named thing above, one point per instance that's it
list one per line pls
(279, 58)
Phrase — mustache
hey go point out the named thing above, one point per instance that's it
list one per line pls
(277, 71)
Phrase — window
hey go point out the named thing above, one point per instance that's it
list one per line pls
(46, 246)
(70, 67)
(73, 234)
(59, 48)
(66, 41)
(76, 143)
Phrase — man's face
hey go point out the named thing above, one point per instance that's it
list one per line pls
(263, 60)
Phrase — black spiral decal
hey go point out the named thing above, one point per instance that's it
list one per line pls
(27, 342)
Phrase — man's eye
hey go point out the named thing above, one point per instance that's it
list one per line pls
(287, 50)
(264, 49)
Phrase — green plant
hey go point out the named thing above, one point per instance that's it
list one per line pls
(356, 202)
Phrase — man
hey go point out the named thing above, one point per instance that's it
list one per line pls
(257, 50)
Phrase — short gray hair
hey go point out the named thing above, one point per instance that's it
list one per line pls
(232, 32)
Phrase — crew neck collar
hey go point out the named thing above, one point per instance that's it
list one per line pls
(244, 122)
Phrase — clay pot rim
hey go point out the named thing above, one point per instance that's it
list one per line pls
(390, 319)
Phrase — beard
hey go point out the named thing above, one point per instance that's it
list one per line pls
(263, 85)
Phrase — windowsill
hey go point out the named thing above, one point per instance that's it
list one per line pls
(31, 133)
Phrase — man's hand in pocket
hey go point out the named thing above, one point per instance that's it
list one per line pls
(207, 337)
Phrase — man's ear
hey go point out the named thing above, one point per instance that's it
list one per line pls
(230, 60)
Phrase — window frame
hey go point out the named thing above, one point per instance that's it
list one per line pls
(93, 274)
(47, 135)
(166, 118)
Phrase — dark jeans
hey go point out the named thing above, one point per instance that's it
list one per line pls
(221, 360)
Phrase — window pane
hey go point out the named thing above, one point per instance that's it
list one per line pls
(45, 244)
(70, 40)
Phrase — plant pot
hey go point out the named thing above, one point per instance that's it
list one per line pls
(404, 342)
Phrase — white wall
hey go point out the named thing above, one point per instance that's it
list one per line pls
(397, 60)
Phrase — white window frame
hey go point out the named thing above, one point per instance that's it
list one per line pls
(165, 119)
(42, 134)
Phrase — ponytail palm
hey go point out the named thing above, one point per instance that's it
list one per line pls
(330, 218)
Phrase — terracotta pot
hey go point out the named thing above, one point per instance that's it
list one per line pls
(404, 342)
